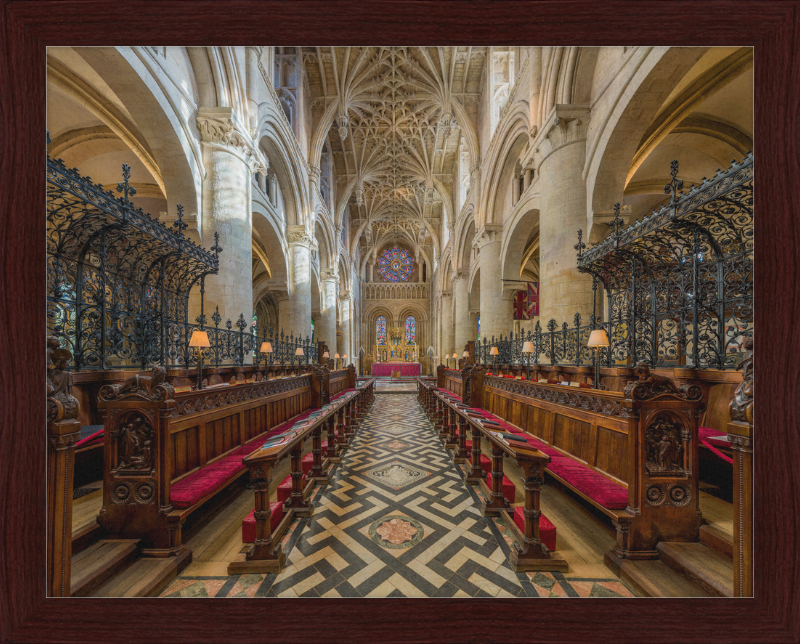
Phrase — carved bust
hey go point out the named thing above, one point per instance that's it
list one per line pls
(61, 404)
(741, 407)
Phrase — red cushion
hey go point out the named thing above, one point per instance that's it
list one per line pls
(508, 486)
(285, 488)
(188, 491)
(341, 393)
(584, 385)
(544, 447)
(95, 438)
(595, 486)
(713, 436)
(547, 531)
(249, 522)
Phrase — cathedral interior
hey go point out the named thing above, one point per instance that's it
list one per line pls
(460, 321)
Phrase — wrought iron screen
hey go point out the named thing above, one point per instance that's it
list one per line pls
(678, 283)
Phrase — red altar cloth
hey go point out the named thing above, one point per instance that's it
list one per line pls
(406, 369)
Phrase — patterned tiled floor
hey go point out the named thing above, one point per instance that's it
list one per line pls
(397, 520)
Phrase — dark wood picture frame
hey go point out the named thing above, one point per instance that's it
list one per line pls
(772, 27)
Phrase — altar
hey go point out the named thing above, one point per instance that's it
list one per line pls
(406, 369)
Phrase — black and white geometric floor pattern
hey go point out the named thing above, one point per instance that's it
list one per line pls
(397, 520)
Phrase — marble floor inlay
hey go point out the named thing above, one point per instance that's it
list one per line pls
(397, 520)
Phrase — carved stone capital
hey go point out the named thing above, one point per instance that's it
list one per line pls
(300, 236)
(488, 234)
(475, 172)
(445, 294)
(218, 127)
(459, 275)
(328, 274)
(314, 173)
(566, 124)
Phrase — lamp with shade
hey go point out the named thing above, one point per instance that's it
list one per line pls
(597, 338)
(455, 360)
(325, 357)
(199, 341)
(344, 361)
(335, 360)
(299, 353)
(266, 347)
(527, 349)
(494, 353)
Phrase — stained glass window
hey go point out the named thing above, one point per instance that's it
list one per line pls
(411, 330)
(395, 265)
(380, 330)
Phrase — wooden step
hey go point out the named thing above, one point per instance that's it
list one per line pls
(653, 578)
(84, 537)
(716, 540)
(95, 565)
(146, 577)
(702, 566)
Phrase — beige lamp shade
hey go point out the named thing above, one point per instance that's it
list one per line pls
(455, 356)
(266, 347)
(336, 355)
(299, 351)
(598, 338)
(326, 355)
(494, 352)
(344, 357)
(199, 339)
(465, 354)
(527, 347)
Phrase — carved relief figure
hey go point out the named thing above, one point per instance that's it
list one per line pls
(651, 385)
(153, 386)
(664, 447)
(135, 445)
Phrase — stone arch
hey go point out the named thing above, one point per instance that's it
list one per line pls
(614, 142)
(517, 230)
(274, 140)
(168, 136)
(512, 139)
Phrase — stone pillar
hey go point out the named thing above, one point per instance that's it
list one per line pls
(563, 291)
(496, 311)
(284, 312)
(448, 337)
(327, 324)
(229, 158)
(461, 323)
(298, 318)
(346, 344)
(253, 78)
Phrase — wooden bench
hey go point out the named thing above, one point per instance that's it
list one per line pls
(632, 455)
(265, 555)
(166, 454)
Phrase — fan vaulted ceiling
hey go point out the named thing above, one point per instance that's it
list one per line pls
(399, 119)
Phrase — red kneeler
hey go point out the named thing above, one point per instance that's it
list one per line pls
(285, 488)
(308, 460)
(249, 522)
(547, 531)
(509, 491)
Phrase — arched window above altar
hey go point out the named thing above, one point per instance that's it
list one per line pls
(380, 330)
(411, 330)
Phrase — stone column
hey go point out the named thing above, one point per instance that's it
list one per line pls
(461, 323)
(496, 309)
(298, 318)
(253, 78)
(346, 346)
(327, 324)
(229, 158)
(563, 291)
(284, 312)
(448, 337)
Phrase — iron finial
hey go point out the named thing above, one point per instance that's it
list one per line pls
(674, 184)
